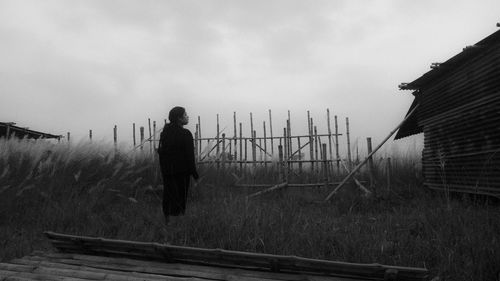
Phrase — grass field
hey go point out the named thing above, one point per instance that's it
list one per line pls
(89, 189)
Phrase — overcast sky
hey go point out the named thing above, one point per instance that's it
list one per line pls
(80, 65)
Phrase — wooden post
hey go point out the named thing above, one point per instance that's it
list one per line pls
(141, 130)
(115, 137)
(217, 140)
(349, 158)
(261, 156)
(337, 155)
(254, 149)
(271, 132)
(281, 166)
(251, 125)
(230, 149)
(150, 136)
(300, 155)
(370, 160)
(311, 141)
(8, 131)
(316, 144)
(133, 134)
(69, 137)
(285, 157)
(246, 151)
(289, 134)
(90, 135)
(223, 151)
(241, 150)
(154, 136)
(199, 135)
(235, 138)
(357, 152)
(329, 133)
(325, 164)
(289, 140)
(199, 126)
(217, 150)
(265, 144)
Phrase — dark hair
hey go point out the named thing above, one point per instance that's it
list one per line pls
(176, 113)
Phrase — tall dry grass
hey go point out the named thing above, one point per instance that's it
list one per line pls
(91, 189)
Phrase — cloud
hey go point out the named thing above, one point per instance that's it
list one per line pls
(101, 62)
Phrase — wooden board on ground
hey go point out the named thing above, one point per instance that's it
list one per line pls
(89, 258)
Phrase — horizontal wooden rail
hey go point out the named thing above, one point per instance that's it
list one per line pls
(267, 137)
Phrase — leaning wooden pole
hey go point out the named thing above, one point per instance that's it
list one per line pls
(370, 155)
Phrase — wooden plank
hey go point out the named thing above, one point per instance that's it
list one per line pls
(109, 272)
(16, 267)
(173, 269)
(14, 275)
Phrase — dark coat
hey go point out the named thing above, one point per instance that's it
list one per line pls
(176, 152)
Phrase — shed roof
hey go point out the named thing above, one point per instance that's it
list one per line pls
(23, 132)
(469, 53)
(440, 70)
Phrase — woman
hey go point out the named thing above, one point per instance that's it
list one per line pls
(176, 153)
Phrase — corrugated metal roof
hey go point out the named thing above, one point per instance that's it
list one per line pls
(20, 132)
(440, 73)
(469, 53)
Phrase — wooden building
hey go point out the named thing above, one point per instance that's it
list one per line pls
(458, 110)
(8, 129)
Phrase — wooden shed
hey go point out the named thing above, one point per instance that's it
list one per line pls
(9, 129)
(458, 110)
(89, 258)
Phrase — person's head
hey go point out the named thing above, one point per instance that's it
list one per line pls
(178, 115)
